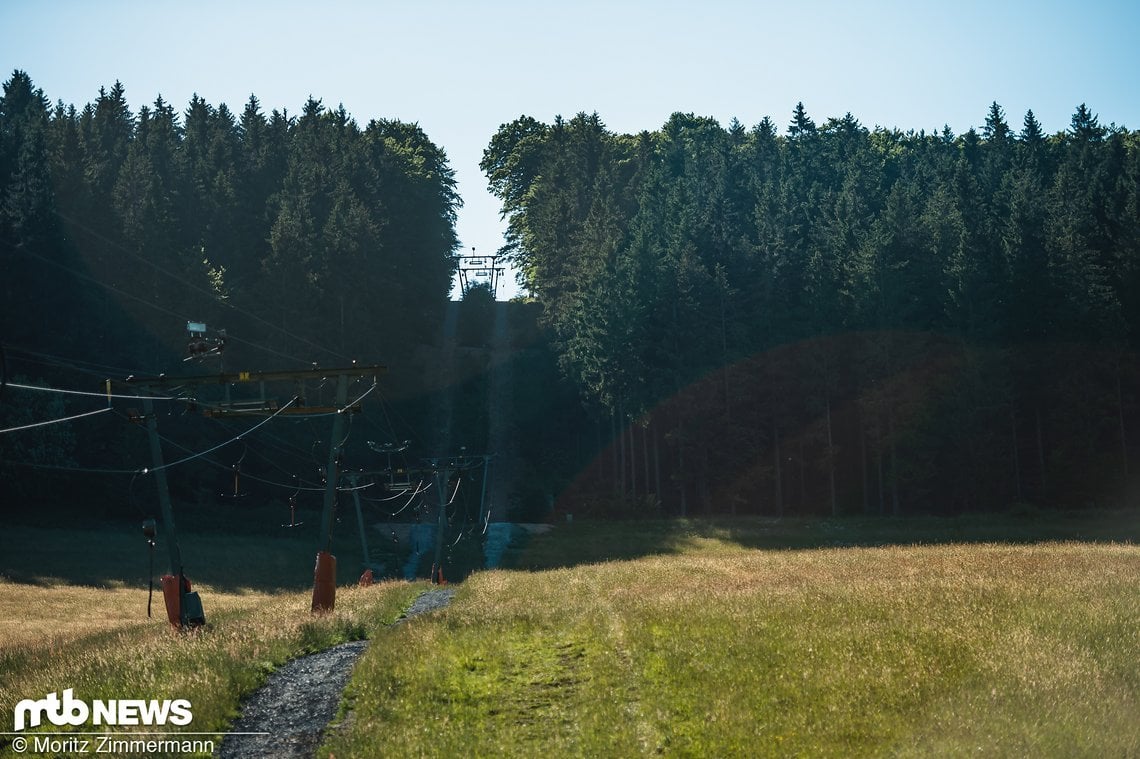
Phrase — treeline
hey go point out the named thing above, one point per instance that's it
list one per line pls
(306, 236)
(835, 319)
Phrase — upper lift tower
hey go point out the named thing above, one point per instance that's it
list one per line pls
(475, 271)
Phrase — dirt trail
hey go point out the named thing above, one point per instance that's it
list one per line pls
(286, 718)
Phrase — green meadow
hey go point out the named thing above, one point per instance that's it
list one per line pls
(758, 638)
(1000, 636)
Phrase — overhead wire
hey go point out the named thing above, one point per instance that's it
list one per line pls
(269, 460)
(67, 467)
(420, 488)
(356, 487)
(384, 404)
(347, 407)
(255, 478)
(262, 423)
(402, 509)
(62, 391)
(75, 364)
(228, 468)
(63, 468)
(245, 475)
(399, 494)
(375, 384)
(55, 421)
(146, 470)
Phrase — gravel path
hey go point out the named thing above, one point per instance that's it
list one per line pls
(286, 718)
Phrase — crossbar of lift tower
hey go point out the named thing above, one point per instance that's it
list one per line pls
(230, 378)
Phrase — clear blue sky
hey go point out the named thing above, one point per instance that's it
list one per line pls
(460, 69)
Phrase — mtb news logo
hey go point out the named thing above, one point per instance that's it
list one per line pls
(125, 711)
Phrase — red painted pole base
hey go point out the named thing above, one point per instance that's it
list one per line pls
(173, 600)
(324, 583)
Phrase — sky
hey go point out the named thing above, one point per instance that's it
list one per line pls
(461, 69)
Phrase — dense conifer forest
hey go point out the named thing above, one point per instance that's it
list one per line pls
(826, 318)
(782, 320)
(309, 238)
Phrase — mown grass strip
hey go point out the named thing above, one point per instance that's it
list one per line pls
(719, 649)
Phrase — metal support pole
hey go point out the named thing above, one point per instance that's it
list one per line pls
(159, 473)
(360, 524)
(441, 480)
(189, 614)
(325, 574)
(483, 493)
(324, 577)
(331, 469)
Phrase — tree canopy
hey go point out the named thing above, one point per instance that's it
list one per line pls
(309, 238)
(306, 236)
(837, 318)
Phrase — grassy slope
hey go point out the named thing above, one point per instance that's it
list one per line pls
(706, 646)
(746, 637)
(76, 618)
(247, 637)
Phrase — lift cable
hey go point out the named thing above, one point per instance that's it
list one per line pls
(219, 464)
(263, 422)
(385, 404)
(62, 468)
(399, 494)
(89, 367)
(92, 394)
(244, 474)
(268, 459)
(458, 481)
(55, 421)
(375, 385)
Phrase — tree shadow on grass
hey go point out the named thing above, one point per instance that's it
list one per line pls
(264, 557)
(117, 555)
(587, 542)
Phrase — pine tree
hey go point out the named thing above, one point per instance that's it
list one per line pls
(1031, 133)
(996, 129)
(801, 126)
(1085, 127)
(28, 229)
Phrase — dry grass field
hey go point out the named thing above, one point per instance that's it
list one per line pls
(76, 618)
(734, 638)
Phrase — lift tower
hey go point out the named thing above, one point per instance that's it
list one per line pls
(324, 584)
(480, 271)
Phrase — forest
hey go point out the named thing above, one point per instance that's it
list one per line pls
(780, 320)
(307, 238)
(831, 319)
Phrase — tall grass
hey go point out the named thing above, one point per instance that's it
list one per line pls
(56, 633)
(713, 648)
(247, 637)
(731, 638)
